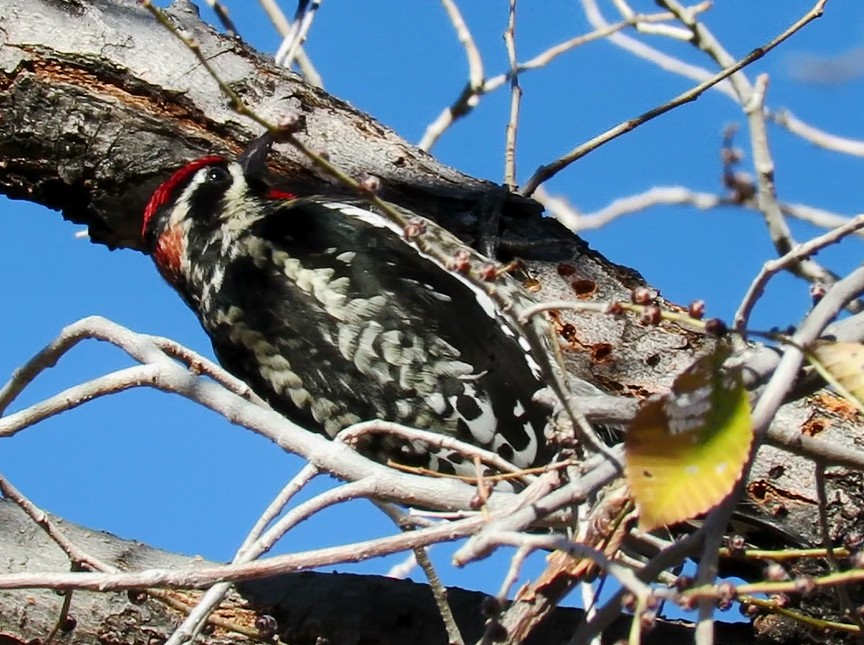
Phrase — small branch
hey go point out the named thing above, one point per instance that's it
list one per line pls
(715, 529)
(781, 234)
(470, 95)
(421, 557)
(472, 53)
(78, 557)
(654, 56)
(571, 217)
(816, 216)
(513, 572)
(201, 365)
(626, 577)
(209, 575)
(844, 145)
(515, 99)
(352, 433)
(283, 26)
(671, 556)
(544, 58)
(773, 267)
(197, 618)
(539, 502)
(71, 398)
(297, 32)
(819, 450)
(544, 173)
(222, 14)
(638, 21)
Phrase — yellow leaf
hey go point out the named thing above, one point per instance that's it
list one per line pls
(842, 366)
(687, 449)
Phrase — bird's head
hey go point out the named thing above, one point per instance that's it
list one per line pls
(198, 199)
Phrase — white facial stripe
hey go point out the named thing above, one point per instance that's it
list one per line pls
(236, 193)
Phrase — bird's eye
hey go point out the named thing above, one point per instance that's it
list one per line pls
(217, 175)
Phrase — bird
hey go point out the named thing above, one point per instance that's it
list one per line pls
(334, 315)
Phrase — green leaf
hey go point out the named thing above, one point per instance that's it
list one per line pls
(687, 449)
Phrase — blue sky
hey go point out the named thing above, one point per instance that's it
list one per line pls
(153, 467)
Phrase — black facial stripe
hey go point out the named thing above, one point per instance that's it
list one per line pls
(211, 183)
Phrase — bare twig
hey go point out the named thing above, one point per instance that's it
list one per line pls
(655, 57)
(78, 557)
(421, 557)
(544, 173)
(297, 33)
(671, 556)
(201, 365)
(205, 576)
(816, 216)
(222, 14)
(637, 21)
(824, 452)
(283, 26)
(513, 571)
(752, 98)
(567, 214)
(197, 618)
(544, 58)
(351, 434)
(624, 575)
(515, 99)
(844, 145)
(470, 95)
(772, 267)
(781, 234)
(598, 473)
(571, 217)
(71, 398)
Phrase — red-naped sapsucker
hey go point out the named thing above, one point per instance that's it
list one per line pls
(333, 315)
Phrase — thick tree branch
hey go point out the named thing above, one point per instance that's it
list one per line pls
(339, 607)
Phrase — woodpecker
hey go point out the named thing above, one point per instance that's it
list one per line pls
(334, 315)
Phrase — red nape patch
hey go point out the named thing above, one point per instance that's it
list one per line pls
(167, 254)
(162, 195)
(280, 194)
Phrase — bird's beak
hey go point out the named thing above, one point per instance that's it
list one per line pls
(254, 158)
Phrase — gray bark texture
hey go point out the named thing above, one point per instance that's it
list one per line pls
(99, 103)
(308, 607)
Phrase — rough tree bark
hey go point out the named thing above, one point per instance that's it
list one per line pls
(98, 103)
(307, 606)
